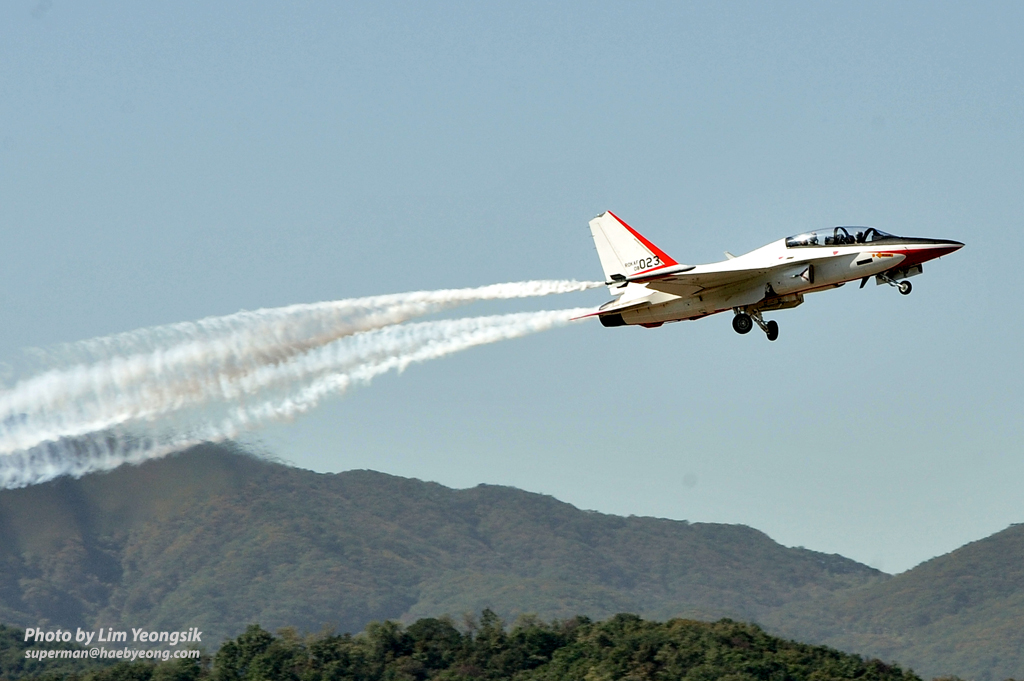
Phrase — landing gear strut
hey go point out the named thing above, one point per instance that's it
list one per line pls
(905, 287)
(743, 322)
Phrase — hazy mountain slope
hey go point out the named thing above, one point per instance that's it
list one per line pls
(215, 539)
(961, 613)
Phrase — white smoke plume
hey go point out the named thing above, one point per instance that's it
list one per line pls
(144, 394)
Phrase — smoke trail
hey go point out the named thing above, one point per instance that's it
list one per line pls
(146, 374)
(210, 380)
(298, 327)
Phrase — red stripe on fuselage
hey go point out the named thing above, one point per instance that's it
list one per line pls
(916, 256)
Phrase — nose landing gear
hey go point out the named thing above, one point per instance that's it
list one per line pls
(743, 322)
(904, 286)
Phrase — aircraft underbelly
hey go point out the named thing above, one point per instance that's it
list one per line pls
(698, 305)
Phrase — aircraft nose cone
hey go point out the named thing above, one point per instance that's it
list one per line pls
(947, 246)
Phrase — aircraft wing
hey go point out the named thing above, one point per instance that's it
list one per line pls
(703, 278)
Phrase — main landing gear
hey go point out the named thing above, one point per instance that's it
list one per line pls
(743, 323)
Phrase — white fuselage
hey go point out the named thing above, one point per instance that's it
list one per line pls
(780, 276)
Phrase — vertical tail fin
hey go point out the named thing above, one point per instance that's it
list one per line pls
(623, 251)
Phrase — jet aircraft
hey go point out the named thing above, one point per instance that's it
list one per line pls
(651, 288)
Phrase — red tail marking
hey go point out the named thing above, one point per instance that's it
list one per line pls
(666, 260)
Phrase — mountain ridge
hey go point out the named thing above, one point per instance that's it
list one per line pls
(219, 539)
(103, 552)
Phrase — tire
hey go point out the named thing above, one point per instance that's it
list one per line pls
(906, 287)
(742, 323)
(773, 330)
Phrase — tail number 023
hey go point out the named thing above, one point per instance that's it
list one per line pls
(643, 263)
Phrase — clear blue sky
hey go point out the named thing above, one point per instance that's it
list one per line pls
(161, 163)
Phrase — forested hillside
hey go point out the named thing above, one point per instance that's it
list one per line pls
(216, 539)
(959, 613)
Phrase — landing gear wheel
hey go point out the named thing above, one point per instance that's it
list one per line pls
(742, 323)
(773, 330)
(905, 287)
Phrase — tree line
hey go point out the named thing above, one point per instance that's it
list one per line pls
(622, 647)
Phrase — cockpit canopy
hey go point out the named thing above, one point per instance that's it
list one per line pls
(839, 236)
